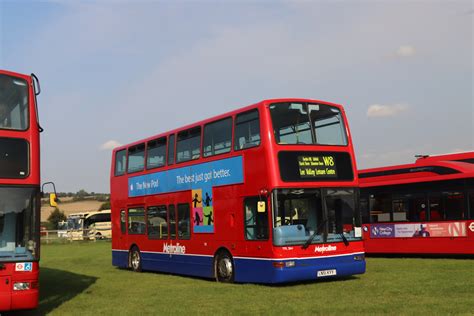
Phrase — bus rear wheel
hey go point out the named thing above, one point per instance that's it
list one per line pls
(224, 267)
(135, 259)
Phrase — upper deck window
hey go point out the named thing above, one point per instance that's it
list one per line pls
(247, 130)
(306, 123)
(136, 158)
(188, 146)
(14, 154)
(120, 162)
(13, 103)
(218, 137)
(156, 153)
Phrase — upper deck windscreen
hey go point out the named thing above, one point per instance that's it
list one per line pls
(308, 123)
(13, 103)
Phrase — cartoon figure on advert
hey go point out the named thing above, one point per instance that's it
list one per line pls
(422, 232)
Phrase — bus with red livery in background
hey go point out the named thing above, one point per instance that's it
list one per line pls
(19, 191)
(267, 193)
(422, 208)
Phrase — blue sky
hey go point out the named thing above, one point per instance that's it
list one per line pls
(113, 72)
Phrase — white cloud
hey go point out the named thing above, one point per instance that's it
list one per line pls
(406, 51)
(380, 110)
(109, 145)
(178, 73)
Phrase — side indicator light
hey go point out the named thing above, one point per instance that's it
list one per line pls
(359, 257)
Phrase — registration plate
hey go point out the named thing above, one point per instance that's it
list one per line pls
(325, 273)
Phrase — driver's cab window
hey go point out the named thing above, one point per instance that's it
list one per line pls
(256, 219)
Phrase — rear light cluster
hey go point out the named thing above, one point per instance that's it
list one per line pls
(284, 264)
(24, 286)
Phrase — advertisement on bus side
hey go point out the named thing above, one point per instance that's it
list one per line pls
(451, 229)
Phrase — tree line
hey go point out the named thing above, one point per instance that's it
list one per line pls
(80, 195)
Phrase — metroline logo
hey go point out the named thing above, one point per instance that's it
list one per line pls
(323, 249)
(177, 249)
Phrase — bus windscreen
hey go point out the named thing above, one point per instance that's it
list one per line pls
(305, 123)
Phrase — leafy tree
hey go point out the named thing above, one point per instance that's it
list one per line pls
(82, 193)
(105, 206)
(56, 216)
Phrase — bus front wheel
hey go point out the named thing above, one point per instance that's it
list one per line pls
(224, 267)
(135, 260)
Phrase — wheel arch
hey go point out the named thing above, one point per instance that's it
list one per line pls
(219, 251)
(132, 246)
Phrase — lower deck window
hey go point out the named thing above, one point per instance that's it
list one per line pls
(419, 207)
(123, 222)
(136, 220)
(184, 222)
(157, 222)
(380, 208)
(471, 204)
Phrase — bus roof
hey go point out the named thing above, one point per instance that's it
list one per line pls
(15, 74)
(426, 168)
(224, 115)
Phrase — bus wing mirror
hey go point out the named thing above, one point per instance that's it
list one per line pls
(261, 207)
(53, 200)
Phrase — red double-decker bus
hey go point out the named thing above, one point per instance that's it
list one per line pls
(267, 193)
(19, 191)
(422, 208)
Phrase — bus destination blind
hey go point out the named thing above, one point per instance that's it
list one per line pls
(313, 167)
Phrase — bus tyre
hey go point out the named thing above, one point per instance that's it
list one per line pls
(135, 260)
(224, 267)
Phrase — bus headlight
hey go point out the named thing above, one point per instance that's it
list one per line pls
(289, 264)
(21, 286)
(284, 264)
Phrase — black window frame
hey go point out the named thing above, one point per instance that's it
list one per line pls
(129, 223)
(189, 230)
(158, 207)
(172, 229)
(312, 126)
(470, 204)
(185, 135)
(228, 129)
(132, 148)
(236, 123)
(24, 155)
(125, 151)
(147, 156)
(171, 150)
(428, 193)
(28, 104)
(123, 221)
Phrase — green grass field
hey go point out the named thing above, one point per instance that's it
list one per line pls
(78, 279)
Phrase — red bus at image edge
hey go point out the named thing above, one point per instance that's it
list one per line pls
(422, 208)
(19, 192)
(267, 193)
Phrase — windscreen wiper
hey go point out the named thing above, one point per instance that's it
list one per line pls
(344, 239)
(311, 238)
